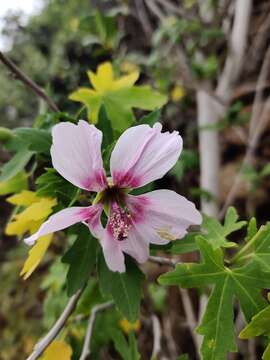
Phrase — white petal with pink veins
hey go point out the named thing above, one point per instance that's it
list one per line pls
(76, 155)
(143, 154)
(62, 220)
(163, 215)
(112, 251)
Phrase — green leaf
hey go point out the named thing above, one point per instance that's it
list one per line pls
(127, 350)
(52, 184)
(141, 97)
(231, 222)
(150, 119)
(185, 245)
(16, 164)
(259, 325)
(36, 140)
(257, 249)
(15, 184)
(217, 234)
(251, 229)
(105, 126)
(81, 258)
(124, 288)
(244, 283)
(217, 325)
(118, 95)
(265, 171)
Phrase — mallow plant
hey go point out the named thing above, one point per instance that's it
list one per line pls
(93, 181)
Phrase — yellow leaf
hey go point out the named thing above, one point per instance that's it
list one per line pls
(32, 217)
(177, 93)
(35, 255)
(126, 81)
(103, 79)
(24, 198)
(39, 210)
(19, 226)
(127, 327)
(58, 350)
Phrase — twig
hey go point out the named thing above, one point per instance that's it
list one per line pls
(96, 309)
(157, 337)
(144, 18)
(175, 10)
(190, 316)
(238, 42)
(257, 124)
(163, 261)
(152, 6)
(189, 311)
(57, 327)
(28, 82)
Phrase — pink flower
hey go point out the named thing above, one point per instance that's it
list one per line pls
(142, 154)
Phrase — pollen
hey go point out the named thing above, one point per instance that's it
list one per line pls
(120, 222)
(164, 234)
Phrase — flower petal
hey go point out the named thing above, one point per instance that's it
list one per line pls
(62, 220)
(136, 245)
(143, 154)
(76, 155)
(162, 215)
(113, 253)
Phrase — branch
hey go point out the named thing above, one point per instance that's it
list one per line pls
(27, 81)
(256, 126)
(86, 345)
(238, 43)
(190, 316)
(188, 308)
(157, 337)
(57, 327)
(163, 261)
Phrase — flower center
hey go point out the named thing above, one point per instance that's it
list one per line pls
(119, 222)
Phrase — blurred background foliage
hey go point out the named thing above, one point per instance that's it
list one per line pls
(56, 48)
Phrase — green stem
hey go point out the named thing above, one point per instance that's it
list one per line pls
(247, 247)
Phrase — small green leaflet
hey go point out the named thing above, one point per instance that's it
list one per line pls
(52, 184)
(185, 245)
(217, 233)
(124, 288)
(15, 184)
(150, 119)
(16, 164)
(81, 258)
(36, 140)
(127, 350)
(244, 283)
(257, 248)
(259, 325)
(104, 124)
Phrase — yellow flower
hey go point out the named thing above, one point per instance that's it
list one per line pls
(58, 350)
(127, 327)
(36, 211)
(177, 93)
